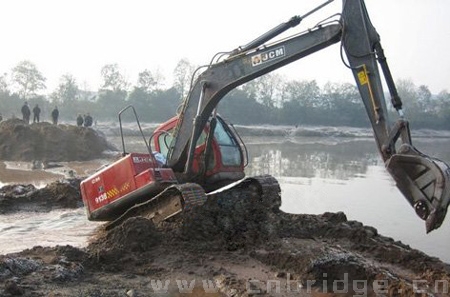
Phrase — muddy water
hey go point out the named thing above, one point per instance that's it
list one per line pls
(24, 230)
(316, 175)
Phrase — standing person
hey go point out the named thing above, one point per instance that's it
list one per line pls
(55, 115)
(36, 113)
(26, 112)
(88, 120)
(80, 120)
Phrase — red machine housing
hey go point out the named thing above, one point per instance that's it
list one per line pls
(226, 161)
(133, 179)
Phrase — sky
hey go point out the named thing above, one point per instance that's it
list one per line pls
(79, 37)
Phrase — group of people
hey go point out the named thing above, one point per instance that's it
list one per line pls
(26, 113)
(85, 120)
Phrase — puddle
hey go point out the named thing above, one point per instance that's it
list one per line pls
(12, 172)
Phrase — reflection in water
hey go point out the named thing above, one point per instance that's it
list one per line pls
(349, 176)
(340, 160)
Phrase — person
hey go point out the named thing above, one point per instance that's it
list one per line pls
(36, 113)
(55, 115)
(80, 120)
(26, 112)
(88, 120)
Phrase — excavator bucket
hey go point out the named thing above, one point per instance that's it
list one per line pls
(424, 181)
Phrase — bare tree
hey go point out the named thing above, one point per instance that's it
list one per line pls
(146, 81)
(67, 90)
(266, 89)
(4, 84)
(28, 79)
(182, 76)
(113, 80)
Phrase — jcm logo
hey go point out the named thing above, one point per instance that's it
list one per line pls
(267, 56)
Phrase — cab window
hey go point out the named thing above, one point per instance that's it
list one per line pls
(229, 149)
(164, 140)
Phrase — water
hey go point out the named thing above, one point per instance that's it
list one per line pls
(319, 175)
(20, 231)
(316, 175)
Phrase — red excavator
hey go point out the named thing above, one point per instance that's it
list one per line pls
(197, 153)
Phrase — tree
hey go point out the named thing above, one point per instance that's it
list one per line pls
(166, 103)
(267, 89)
(109, 103)
(306, 93)
(424, 99)
(345, 106)
(140, 100)
(300, 102)
(443, 109)
(238, 107)
(146, 81)
(67, 90)
(4, 84)
(28, 79)
(113, 80)
(183, 76)
(407, 91)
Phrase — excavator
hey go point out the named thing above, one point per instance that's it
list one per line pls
(197, 154)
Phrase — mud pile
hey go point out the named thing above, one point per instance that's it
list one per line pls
(322, 249)
(50, 143)
(61, 194)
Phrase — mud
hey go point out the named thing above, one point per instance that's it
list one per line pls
(44, 142)
(243, 248)
(61, 194)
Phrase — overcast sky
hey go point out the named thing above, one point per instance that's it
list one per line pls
(81, 36)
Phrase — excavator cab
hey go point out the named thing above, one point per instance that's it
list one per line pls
(220, 156)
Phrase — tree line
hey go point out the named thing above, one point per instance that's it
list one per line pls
(270, 99)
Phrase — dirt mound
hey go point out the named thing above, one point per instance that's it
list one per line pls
(229, 223)
(56, 195)
(50, 143)
(135, 235)
(325, 248)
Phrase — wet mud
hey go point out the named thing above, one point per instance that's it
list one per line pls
(62, 194)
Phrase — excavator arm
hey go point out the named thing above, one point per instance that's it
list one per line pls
(423, 180)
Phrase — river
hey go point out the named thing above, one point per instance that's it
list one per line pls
(316, 174)
(320, 175)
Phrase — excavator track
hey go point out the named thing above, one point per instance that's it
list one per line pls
(179, 198)
(173, 200)
(263, 189)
